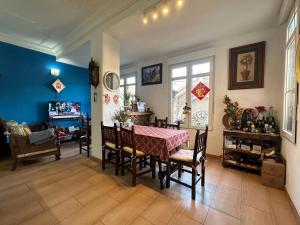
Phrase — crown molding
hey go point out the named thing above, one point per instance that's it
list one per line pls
(96, 23)
(25, 44)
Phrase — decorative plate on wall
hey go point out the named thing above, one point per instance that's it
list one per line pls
(58, 86)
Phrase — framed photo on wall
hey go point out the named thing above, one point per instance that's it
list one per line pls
(247, 66)
(152, 74)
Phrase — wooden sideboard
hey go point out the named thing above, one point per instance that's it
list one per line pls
(240, 138)
(140, 118)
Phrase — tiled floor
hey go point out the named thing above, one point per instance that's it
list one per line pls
(75, 191)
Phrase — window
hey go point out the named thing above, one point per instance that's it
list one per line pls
(127, 85)
(290, 84)
(184, 77)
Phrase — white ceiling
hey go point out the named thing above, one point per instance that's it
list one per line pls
(44, 25)
(199, 22)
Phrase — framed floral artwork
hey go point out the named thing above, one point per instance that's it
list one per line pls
(246, 66)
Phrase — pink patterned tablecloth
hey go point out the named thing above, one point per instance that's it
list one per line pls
(159, 141)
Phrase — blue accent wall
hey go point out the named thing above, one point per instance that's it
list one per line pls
(26, 84)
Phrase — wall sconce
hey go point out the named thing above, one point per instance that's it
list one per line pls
(55, 72)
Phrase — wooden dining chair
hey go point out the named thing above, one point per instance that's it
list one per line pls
(162, 123)
(191, 159)
(110, 143)
(174, 126)
(135, 156)
(85, 135)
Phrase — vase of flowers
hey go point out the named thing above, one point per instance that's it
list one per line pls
(233, 113)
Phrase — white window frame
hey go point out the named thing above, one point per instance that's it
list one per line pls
(189, 78)
(291, 136)
(125, 85)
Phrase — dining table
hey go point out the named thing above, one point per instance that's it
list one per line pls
(159, 142)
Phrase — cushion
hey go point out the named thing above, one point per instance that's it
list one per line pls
(36, 153)
(110, 144)
(26, 130)
(183, 155)
(129, 150)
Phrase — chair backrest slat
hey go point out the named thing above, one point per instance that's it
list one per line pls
(173, 126)
(200, 144)
(109, 134)
(162, 123)
(128, 138)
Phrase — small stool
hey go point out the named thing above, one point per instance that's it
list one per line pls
(273, 173)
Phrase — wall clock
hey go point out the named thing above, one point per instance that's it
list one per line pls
(94, 73)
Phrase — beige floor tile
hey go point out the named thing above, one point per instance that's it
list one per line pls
(14, 192)
(232, 178)
(284, 214)
(98, 223)
(81, 176)
(93, 192)
(278, 196)
(141, 221)
(126, 212)
(92, 212)
(44, 218)
(252, 216)
(75, 190)
(122, 192)
(65, 208)
(64, 194)
(257, 197)
(193, 209)
(161, 210)
(215, 217)
(179, 219)
(227, 200)
(49, 179)
(252, 179)
(20, 214)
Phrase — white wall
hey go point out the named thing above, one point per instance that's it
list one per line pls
(105, 51)
(291, 152)
(157, 96)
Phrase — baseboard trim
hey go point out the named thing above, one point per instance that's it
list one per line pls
(95, 159)
(214, 156)
(293, 207)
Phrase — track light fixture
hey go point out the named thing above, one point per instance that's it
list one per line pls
(163, 6)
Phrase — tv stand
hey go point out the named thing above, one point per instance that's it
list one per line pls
(70, 135)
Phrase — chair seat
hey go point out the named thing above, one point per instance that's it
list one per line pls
(110, 144)
(183, 155)
(129, 150)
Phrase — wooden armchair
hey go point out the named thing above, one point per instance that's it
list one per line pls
(21, 149)
(191, 159)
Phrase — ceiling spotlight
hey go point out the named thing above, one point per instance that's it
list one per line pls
(145, 20)
(180, 3)
(154, 15)
(165, 9)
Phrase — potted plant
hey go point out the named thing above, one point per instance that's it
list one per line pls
(120, 116)
(127, 96)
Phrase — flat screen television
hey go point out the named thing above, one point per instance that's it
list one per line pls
(60, 109)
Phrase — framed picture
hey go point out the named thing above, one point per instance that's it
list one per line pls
(152, 74)
(247, 66)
